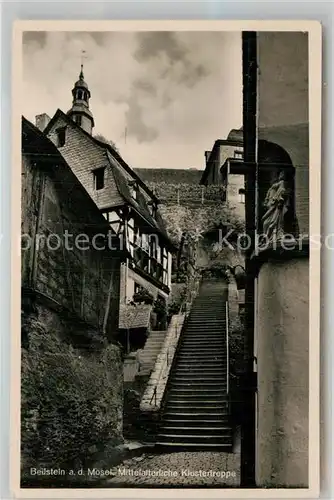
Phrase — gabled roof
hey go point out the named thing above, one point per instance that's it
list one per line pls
(59, 113)
(121, 182)
(235, 140)
(37, 144)
(140, 204)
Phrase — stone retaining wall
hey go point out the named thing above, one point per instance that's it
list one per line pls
(159, 376)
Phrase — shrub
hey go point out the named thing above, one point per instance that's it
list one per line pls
(180, 276)
(70, 402)
(236, 344)
(215, 271)
(143, 296)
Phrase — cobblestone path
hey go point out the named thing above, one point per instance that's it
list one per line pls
(184, 469)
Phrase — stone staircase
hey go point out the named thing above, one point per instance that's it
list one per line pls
(195, 413)
(150, 351)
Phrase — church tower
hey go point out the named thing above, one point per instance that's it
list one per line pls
(80, 112)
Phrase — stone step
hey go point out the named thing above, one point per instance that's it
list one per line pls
(187, 383)
(205, 324)
(199, 429)
(199, 394)
(149, 355)
(209, 320)
(197, 389)
(207, 410)
(174, 445)
(203, 403)
(197, 382)
(207, 361)
(202, 421)
(202, 331)
(202, 349)
(205, 353)
(195, 414)
(189, 368)
(207, 357)
(154, 340)
(186, 374)
(190, 341)
(189, 365)
(201, 341)
(194, 439)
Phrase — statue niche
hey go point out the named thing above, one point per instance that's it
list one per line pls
(276, 194)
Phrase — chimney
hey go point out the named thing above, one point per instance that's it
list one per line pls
(42, 121)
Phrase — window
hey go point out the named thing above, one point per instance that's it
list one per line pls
(61, 136)
(78, 120)
(152, 209)
(134, 190)
(241, 195)
(153, 246)
(138, 288)
(238, 154)
(145, 242)
(99, 178)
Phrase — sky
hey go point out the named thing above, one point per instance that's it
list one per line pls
(162, 97)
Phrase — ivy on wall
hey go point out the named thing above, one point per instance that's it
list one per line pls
(71, 400)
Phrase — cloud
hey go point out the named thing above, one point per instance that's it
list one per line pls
(174, 93)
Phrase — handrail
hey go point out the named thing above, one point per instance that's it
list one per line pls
(187, 301)
(154, 395)
(227, 350)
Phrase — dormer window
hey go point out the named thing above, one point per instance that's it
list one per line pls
(98, 176)
(241, 195)
(61, 136)
(153, 209)
(134, 190)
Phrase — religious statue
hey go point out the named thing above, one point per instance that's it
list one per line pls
(277, 204)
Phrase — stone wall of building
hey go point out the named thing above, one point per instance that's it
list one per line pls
(282, 340)
(187, 194)
(235, 200)
(283, 110)
(228, 151)
(69, 313)
(283, 78)
(129, 278)
(170, 175)
(59, 259)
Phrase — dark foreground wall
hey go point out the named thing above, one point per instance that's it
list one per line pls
(71, 372)
(283, 374)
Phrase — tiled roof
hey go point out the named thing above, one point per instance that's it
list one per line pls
(33, 140)
(60, 114)
(140, 204)
(131, 317)
(84, 153)
(235, 135)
